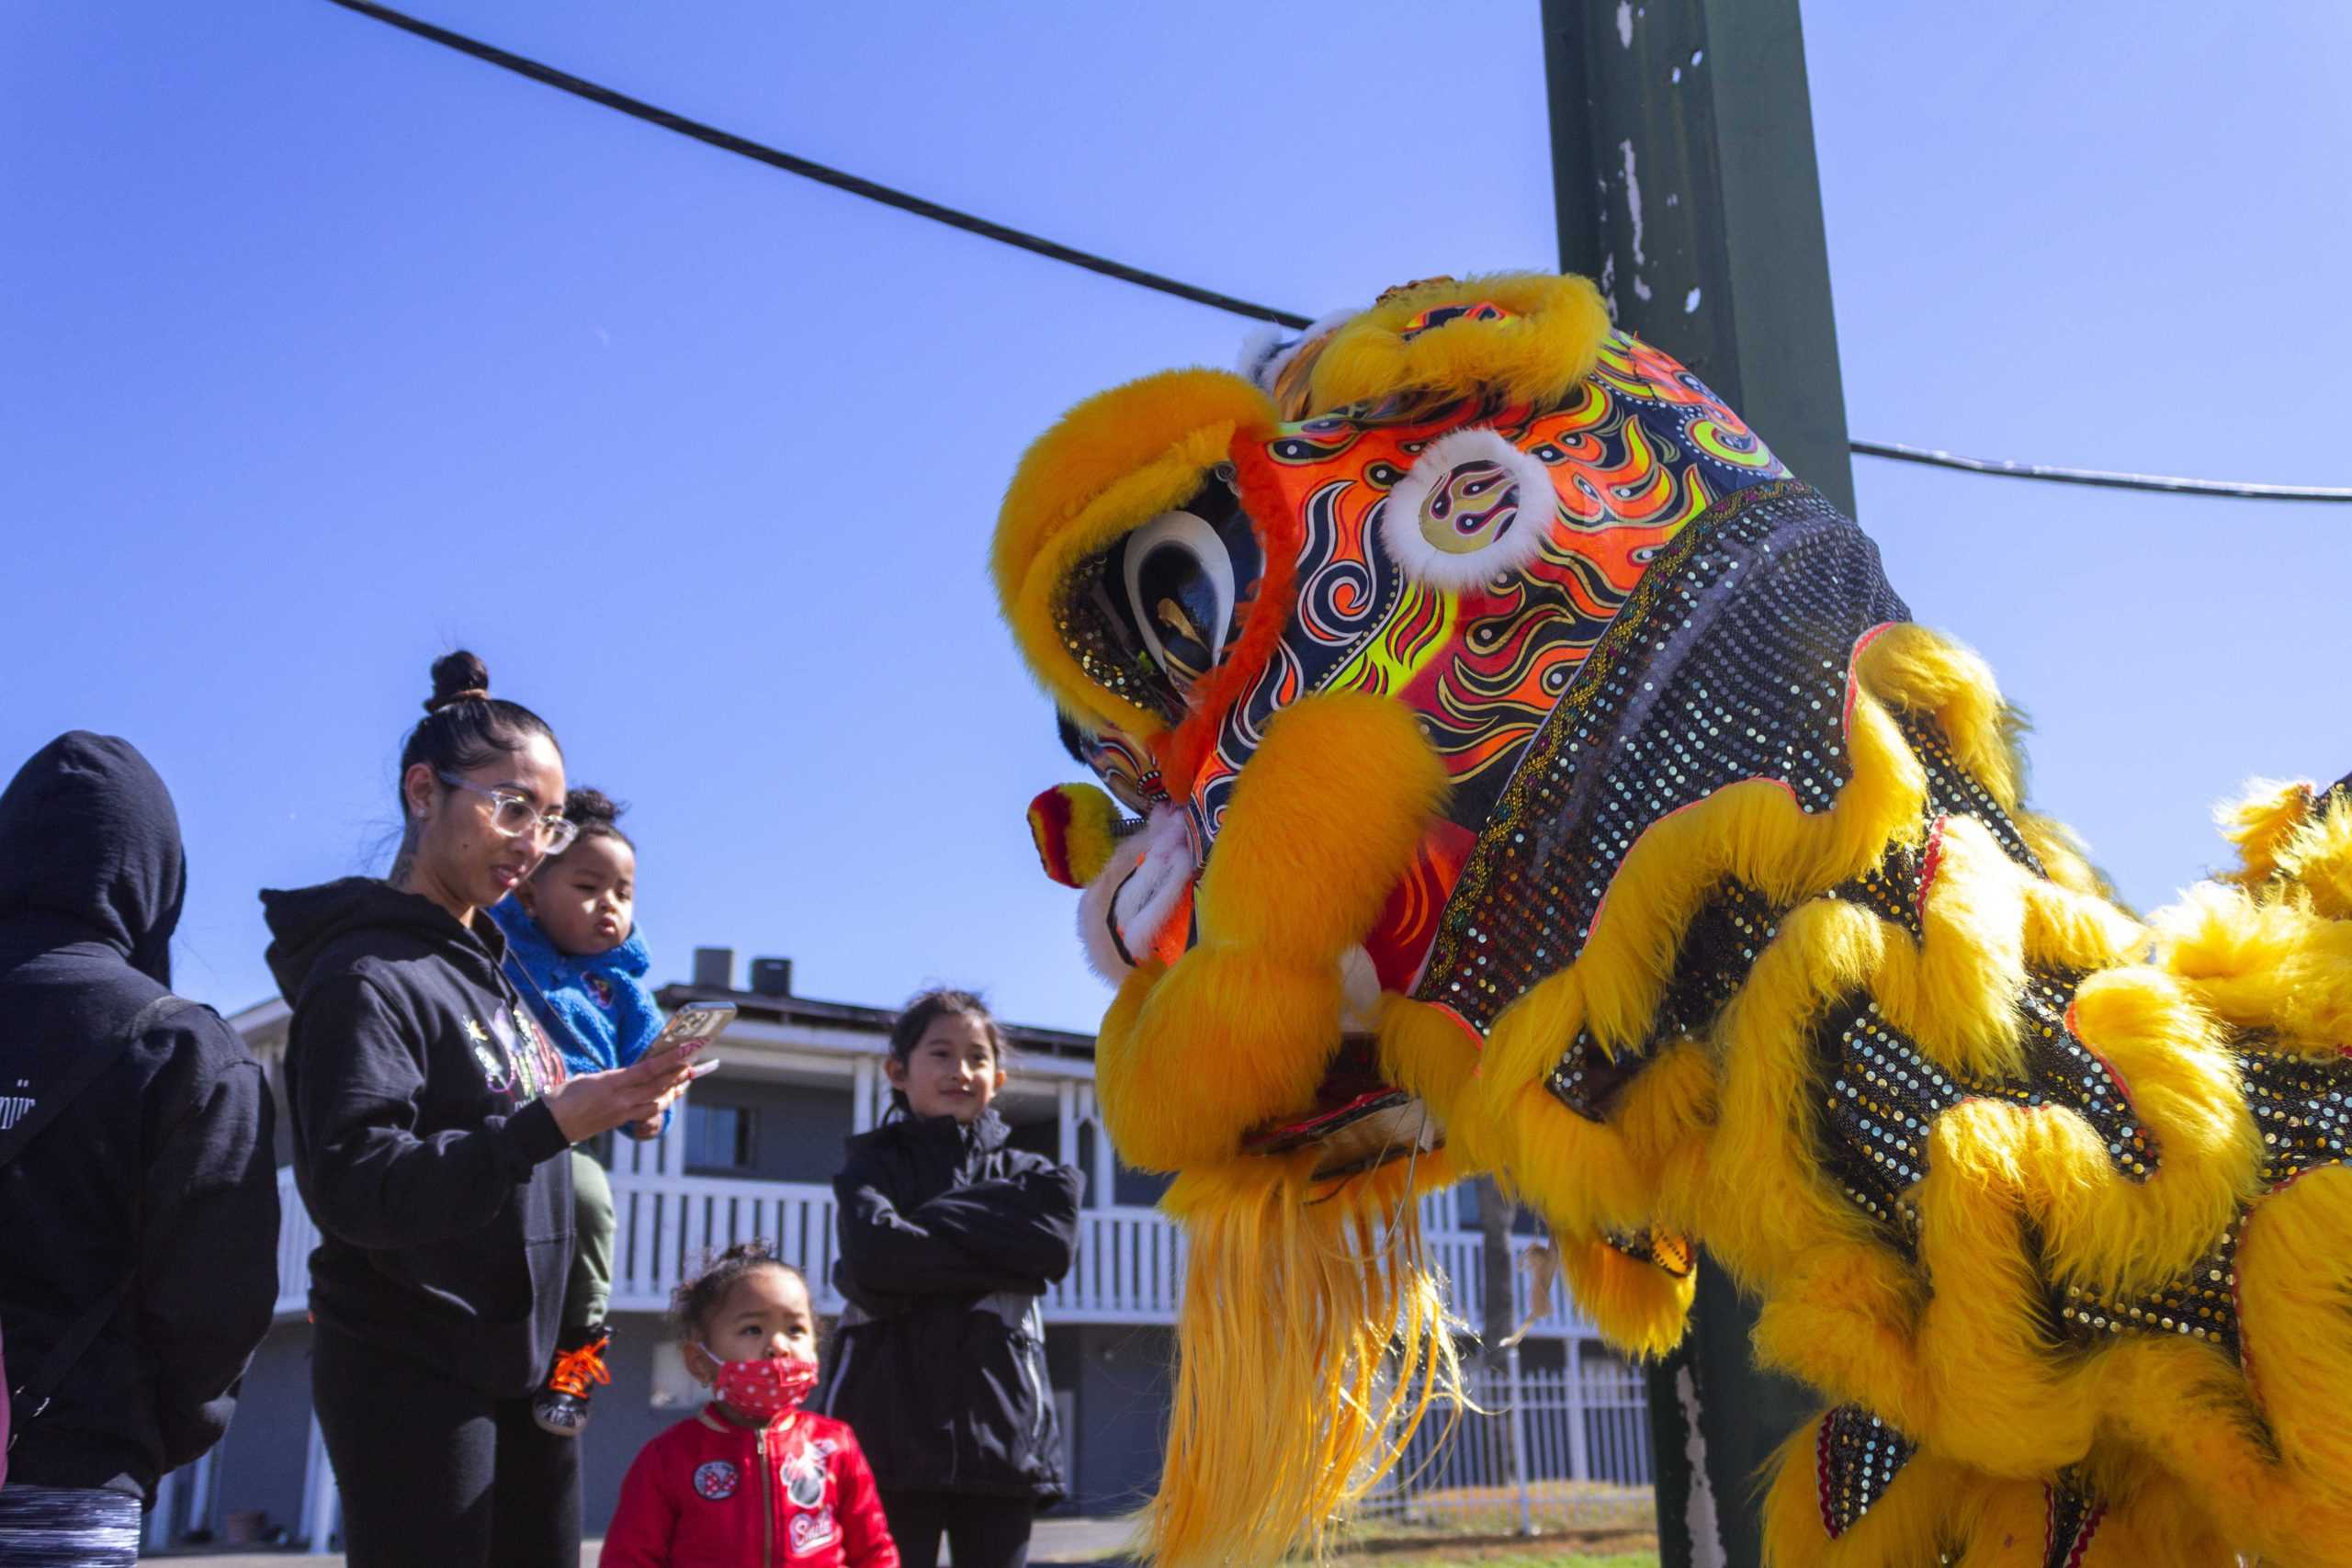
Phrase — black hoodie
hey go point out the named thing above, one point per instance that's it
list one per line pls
(421, 1143)
(948, 1237)
(157, 1171)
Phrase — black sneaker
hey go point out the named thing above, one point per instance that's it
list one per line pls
(562, 1407)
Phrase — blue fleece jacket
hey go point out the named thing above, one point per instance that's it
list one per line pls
(596, 1008)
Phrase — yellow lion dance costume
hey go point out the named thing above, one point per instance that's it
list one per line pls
(1522, 772)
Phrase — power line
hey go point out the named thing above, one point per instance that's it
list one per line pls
(744, 147)
(2161, 483)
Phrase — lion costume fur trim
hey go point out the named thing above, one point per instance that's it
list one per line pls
(1713, 1139)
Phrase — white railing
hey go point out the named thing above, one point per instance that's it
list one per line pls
(1460, 1256)
(1547, 1450)
(1129, 1266)
(1129, 1269)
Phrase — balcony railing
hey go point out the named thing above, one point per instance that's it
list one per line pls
(1129, 1266)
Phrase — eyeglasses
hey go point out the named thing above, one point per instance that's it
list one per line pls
(514, 815)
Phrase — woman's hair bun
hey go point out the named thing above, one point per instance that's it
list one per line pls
(457, 677)
(592, 808)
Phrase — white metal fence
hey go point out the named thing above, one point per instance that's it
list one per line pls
(1129, 1269)
(1566, 1449)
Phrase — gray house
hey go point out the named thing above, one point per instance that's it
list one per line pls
(752, 1154)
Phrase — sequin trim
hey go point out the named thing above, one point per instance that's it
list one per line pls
(1730, 660)
(1856, 1458)
(2075, 1513)
(1879, 1095)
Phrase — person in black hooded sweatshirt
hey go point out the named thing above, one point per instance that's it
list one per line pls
(429, 1113)
(137, 1200)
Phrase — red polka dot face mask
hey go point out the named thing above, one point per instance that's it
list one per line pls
(766, 1388)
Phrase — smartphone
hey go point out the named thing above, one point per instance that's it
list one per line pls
(691, 1027)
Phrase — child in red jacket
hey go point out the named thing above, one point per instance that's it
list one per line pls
(754, 1481)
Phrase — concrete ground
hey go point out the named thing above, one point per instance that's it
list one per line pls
(1058, 1544)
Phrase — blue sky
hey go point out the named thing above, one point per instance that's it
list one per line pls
(328, 350)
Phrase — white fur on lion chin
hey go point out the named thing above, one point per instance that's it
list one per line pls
(1134, 896)
(1141, 886)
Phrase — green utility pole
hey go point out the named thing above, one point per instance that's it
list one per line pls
(1684, 181)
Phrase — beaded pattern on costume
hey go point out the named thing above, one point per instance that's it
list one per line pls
(1093, 639)
(1730, 662)
(1718, 947)
(1855, 1460)
(2201, 1304)
(1954, 791)
(1892, 890)
(1881, 1094)
(2074, 1512)
(2302, 1105)
(1587, 1079)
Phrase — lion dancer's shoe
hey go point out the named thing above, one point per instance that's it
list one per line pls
(561, 1406)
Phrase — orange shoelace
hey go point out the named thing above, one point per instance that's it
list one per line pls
(575, 1369)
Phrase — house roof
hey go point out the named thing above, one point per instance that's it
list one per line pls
(773, 1009)
(266, 1020)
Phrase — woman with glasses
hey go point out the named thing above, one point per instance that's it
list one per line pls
(429, 1114)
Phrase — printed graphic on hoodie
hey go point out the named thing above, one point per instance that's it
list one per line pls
(521, 1064)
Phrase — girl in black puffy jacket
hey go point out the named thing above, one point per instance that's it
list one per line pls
(948, 1238)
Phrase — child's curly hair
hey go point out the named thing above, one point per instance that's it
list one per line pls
(692, 1303)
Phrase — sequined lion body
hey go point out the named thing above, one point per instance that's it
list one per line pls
(1530, 777)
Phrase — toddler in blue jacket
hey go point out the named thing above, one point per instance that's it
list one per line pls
(572, 950)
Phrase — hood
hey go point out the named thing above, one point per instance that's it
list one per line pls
(528, 943)
(90, 852)
(304, 921)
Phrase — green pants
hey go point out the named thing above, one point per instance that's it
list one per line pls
(590, 1289)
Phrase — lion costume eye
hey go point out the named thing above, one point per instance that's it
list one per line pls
(1179, 577)
(1152, 615)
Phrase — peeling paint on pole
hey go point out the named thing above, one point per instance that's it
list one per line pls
(1698, 1507)
(1729, 272)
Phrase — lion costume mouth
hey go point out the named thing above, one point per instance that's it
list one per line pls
(1360, 1123)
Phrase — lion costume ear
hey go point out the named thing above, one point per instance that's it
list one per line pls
(1524, 335)
(1075, 827)
(1111, 464)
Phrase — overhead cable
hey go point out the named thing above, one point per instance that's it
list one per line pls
(744, 147)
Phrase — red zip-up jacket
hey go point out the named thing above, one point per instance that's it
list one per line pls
(709, 1494)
